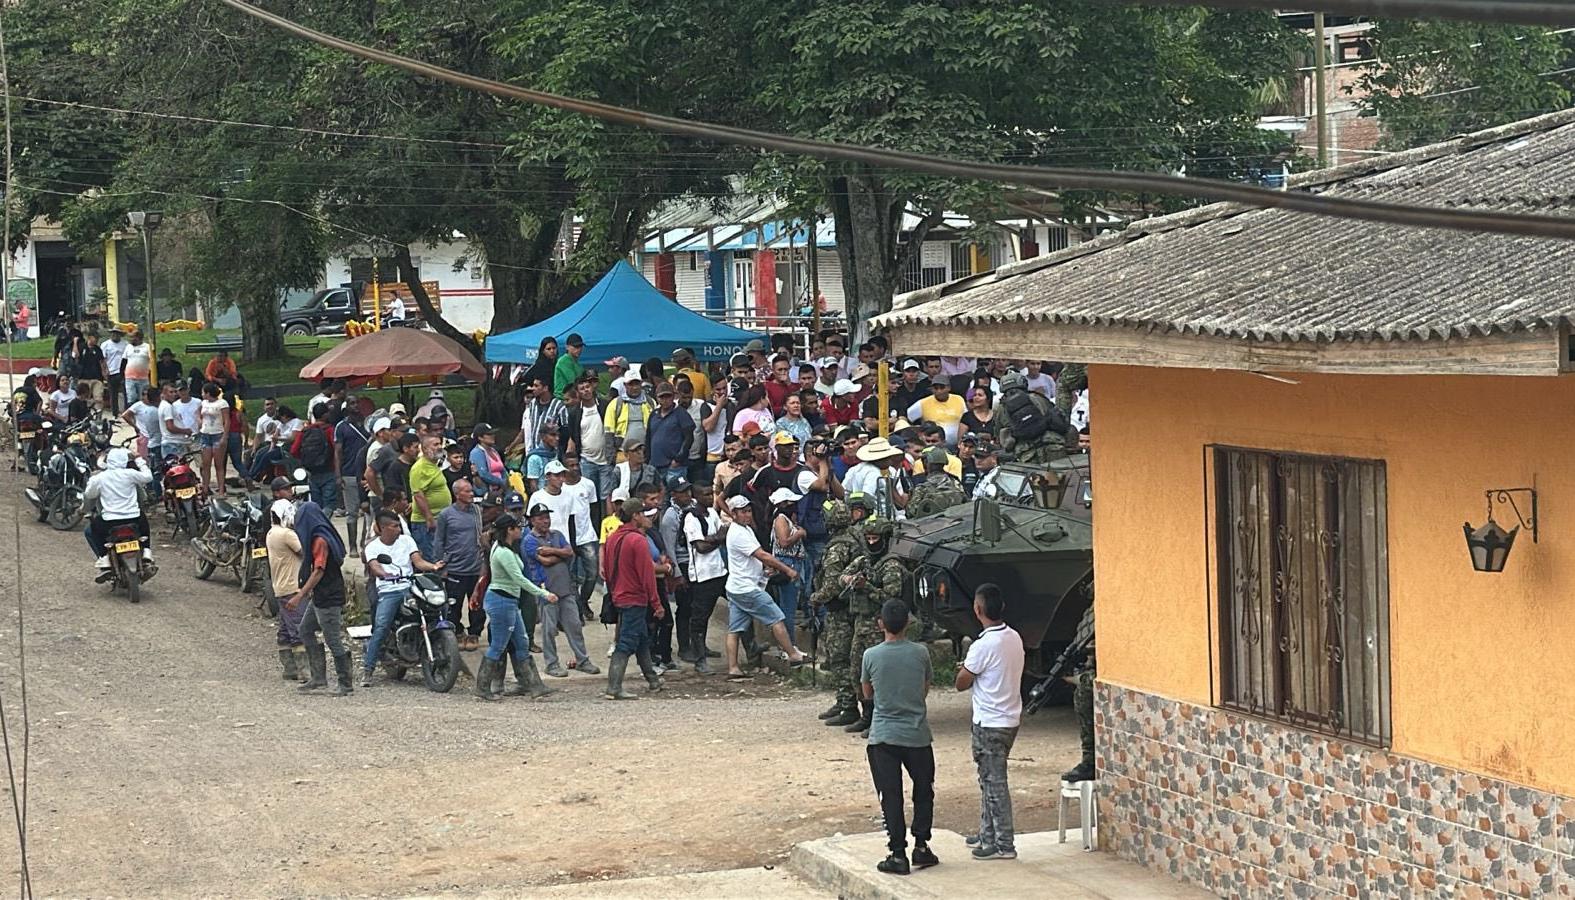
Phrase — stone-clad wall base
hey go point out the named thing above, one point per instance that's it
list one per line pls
(1248, 808)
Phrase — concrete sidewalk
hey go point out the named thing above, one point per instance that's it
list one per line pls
(845, 866)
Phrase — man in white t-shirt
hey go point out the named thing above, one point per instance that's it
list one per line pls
(178, 419)
(587, 550)
(404, 560)
(705, 533)
(747, 600)
(1039, 380)
(993, 671)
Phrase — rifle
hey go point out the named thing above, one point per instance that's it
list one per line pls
(1075, 653)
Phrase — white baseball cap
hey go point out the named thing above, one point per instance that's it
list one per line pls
(380, 424)
(632, 377)
(737, 501)
(843, 387)
(784, 495)
(555, 468)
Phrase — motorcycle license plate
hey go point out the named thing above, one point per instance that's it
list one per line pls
(185, 493)
(259, 553)
(27, 435)
(128, 547)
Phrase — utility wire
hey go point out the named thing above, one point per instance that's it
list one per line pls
(18, 796)
(1552, 13)
(1032, 176)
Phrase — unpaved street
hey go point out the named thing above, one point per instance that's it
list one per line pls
(169, 759)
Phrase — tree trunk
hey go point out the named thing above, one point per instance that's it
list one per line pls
(261, 336)
(868, 218)
(524, 284)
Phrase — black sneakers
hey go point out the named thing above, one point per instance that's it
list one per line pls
(924, 857)
(895, 864)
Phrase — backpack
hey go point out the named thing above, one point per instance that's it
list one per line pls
(1024, 417)
(316, 453)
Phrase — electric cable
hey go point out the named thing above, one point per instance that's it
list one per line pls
(1552, 13)
(1031, 176)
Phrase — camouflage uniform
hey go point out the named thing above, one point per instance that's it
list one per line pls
(883, 581)
(838, 634)
(1083, 701)
(1049, 446)
(1074, 378)
(940, 491)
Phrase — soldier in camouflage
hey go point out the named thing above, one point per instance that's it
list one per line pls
(873, 577)
(1083, 702)
(843, 520)
(939, 491)
(1073, 378)
(1047, 438)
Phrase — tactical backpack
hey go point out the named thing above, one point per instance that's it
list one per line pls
(1023, 416)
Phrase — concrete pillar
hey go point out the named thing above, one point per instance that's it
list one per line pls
(112, 279)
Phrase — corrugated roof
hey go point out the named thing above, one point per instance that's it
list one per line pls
(1270, 275)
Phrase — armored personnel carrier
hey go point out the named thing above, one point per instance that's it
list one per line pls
(1034, 539)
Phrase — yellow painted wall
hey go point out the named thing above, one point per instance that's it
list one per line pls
(1482, 666)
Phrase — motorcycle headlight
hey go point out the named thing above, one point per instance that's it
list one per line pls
(435, 599)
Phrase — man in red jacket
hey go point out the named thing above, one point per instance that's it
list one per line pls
(630, 573)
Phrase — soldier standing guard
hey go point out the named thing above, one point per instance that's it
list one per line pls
(842, 520)
(873, 577)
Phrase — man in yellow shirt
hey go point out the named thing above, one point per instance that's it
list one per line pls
(934, 436)
(429, 493)
(684, 362)
(940, 408)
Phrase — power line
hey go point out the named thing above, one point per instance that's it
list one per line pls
(1040, 177)
(1552, 13)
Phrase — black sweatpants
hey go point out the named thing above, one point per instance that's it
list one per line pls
(886, 764)
(702, 602)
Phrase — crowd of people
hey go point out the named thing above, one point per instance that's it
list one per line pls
(767, 483)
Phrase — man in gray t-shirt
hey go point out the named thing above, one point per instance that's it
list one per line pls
(896, 677)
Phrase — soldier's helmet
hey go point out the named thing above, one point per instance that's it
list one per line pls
(863, 501)
(882, 528)
(837, 515)
(1013, 381)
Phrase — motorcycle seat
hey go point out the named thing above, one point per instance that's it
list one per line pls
(222, 510)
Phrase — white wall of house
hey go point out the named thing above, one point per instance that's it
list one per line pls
(466, 293)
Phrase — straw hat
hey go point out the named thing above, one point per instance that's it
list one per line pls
(878, 449)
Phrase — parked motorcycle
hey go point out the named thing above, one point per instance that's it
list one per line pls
(183, 508)
(63, 475)
(229, 540)
(129, 567)
(421, 636)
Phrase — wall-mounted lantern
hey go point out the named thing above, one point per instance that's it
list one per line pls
(1490, 544)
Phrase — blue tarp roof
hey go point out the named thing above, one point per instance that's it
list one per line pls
(623, 315)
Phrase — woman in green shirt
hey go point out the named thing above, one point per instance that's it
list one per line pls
(506, 627)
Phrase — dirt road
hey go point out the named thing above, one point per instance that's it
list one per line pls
(169, 759)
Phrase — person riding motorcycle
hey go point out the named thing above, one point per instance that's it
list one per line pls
(115, 488)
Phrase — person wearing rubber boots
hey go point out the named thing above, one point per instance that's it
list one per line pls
(630, 575)
(323, 585)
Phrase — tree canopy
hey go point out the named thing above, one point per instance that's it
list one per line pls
(1438, 79)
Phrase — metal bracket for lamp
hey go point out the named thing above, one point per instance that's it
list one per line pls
(1490, 544)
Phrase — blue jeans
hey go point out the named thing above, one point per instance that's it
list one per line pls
(325, 489)
(633, 635)
(787, 594)
(262, 459)
(505, 627)
(382, 619)
(134, 389)
(421, 533)
(234, 447)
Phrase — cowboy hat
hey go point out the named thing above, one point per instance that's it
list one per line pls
(878, 449)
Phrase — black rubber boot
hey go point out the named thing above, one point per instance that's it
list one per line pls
(866, 710)
(846, 715)
(484, 678)
(317, 662)
(615, 670)
(287, 661)
(528, 681)
(831, 713)
(342, 670)
(653, 678)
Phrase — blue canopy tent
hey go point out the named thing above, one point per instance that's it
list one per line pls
(623, 315)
